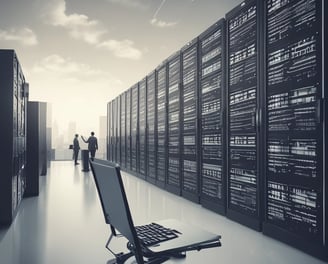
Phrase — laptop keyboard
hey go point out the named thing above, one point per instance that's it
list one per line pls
(154, 233)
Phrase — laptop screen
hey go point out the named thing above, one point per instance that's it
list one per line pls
(113, 198)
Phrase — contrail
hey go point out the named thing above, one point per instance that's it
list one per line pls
(159, 8)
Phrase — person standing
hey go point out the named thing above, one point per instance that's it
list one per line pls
(92, 144)
(76, 148)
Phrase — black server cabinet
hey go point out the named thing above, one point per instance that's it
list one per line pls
(161, 142)
(142, 128)
(151, 127)
(13, 114)
(295, 173)
(173, 180)
(128, 129)
(35, 146)
(134, 128)
(110, 116)
(123, 130)
(113, 130)
(114, 125)
(109, 156)
(243, 54)
(189, 128)
(117, 131)
(212, 115)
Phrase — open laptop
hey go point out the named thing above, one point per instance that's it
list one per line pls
(117, 214)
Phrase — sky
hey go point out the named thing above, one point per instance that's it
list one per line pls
(78, 55)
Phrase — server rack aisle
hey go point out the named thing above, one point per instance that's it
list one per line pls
(151, 128)
(296, 202)
(161, 140)
(243, 37)
(189, 129)
(173, 180)
(13, 104)
(123, 131)
(212, 115)
(142, 158)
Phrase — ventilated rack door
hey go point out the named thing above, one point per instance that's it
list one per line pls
(161, 126)
(151, 128)
(190, 179)
(128, 129)
(294, 176)
(123, 130)
(118, 129)
(114, 113)
(242, 56)
(134, 128)
(173, 181)
(109, 131)
(142, 127)
(20, 149)
(212, 57)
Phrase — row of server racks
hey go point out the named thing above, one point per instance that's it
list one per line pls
(23, 134)
(13, 115)
(236, 121)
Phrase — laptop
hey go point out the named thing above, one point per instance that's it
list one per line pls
(117, 214)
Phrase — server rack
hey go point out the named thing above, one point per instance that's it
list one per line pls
(161, 129)
(113, 130)
(142, 128)
(36, 146)
(128, 129)
(13, 114)
(109, 156)
(151, 127)
(123, 130)
(325, 117)
(134, 128)
(296, 203)
(118, 130)
(189, 115)
(243, 49)
(173, 180)
(110, 131)
(212, 115)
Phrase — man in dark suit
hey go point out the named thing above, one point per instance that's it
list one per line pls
(92, 144)
(76, 148)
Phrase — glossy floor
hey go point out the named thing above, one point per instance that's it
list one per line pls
(65, 225)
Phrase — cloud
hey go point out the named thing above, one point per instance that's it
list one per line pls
(56, 64)
(162, 24)
(79, 26)
(122, 49)
(91, 31)
(24, 35)
(141, 4)
(159, 23)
